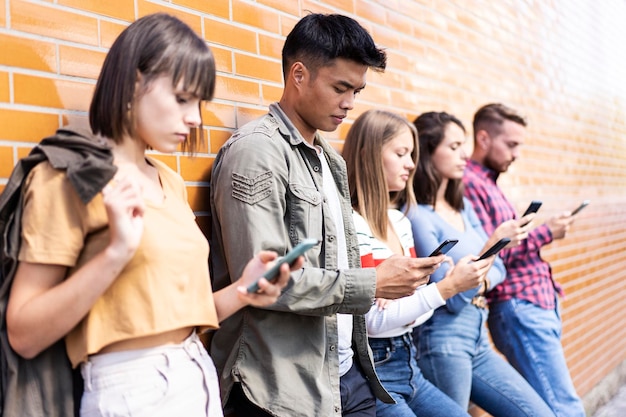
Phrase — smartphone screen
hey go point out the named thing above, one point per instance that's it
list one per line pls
(579, 208)
(444, 247)
(497, 247)
(533, 207)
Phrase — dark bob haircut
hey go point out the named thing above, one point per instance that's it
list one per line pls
(153, 46)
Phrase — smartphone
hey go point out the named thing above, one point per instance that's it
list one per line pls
(289, 258)
(497, 247)
(445, 246)
(582, 206)
(533, 207)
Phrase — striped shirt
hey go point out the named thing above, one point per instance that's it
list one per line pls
(372, 250)
(528, 276)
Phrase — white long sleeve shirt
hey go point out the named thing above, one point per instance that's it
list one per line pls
(401, 315)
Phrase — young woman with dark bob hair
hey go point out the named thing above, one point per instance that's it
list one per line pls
(123, 277)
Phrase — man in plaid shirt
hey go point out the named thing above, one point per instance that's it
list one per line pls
(524, 317)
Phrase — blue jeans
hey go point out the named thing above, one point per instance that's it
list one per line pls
(357, 398)
(455, 355)
(530, 337)
(415, 396)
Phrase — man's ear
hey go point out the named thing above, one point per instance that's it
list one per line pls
(482, 140)
(297, 72)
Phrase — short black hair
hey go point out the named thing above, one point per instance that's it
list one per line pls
(154, 45)
(317, 39)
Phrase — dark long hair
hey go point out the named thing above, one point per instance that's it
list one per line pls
(155, 45)
(431, 129)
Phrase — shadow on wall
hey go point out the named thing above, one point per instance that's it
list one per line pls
(200, 202)
(37, 95)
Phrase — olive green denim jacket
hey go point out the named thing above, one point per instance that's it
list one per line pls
(266, 193)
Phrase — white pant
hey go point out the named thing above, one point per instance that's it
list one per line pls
(165, 381)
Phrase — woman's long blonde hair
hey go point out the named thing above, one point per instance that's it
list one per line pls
(362, 152)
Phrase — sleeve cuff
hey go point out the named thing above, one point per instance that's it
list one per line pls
(433, 296)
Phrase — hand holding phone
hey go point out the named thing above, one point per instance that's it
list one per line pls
(289, 258)
(445, 246)
(580, 207)
(497, 247)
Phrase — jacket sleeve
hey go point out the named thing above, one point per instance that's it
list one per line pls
(249, 186)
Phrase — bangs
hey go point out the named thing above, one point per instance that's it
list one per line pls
(197, 71)
(193, 64)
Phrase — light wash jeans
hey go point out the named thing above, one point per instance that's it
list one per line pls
(455, 355)
(165, 381)
(415, 396)
(530, 337)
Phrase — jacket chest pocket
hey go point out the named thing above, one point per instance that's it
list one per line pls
(304, 212)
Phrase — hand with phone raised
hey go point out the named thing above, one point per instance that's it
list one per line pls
(513, 230)
(399, 276)
(468, 273)
(533, 207)
(559, 225)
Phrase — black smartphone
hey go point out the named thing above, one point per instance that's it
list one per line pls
(497, 247)
(533, 207)
(579, 208)
(445, 246)
(289, 258)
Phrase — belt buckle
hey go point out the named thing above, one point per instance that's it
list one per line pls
(480, 301)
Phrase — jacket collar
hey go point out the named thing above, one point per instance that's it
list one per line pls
(86, 158)
(291, 133)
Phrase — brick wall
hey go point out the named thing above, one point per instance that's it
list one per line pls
(561, 63)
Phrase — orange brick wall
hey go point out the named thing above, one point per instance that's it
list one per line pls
(561, 63)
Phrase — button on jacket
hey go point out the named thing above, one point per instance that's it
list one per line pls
(266, 193)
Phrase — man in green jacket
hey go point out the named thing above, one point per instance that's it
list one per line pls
(275, 183)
